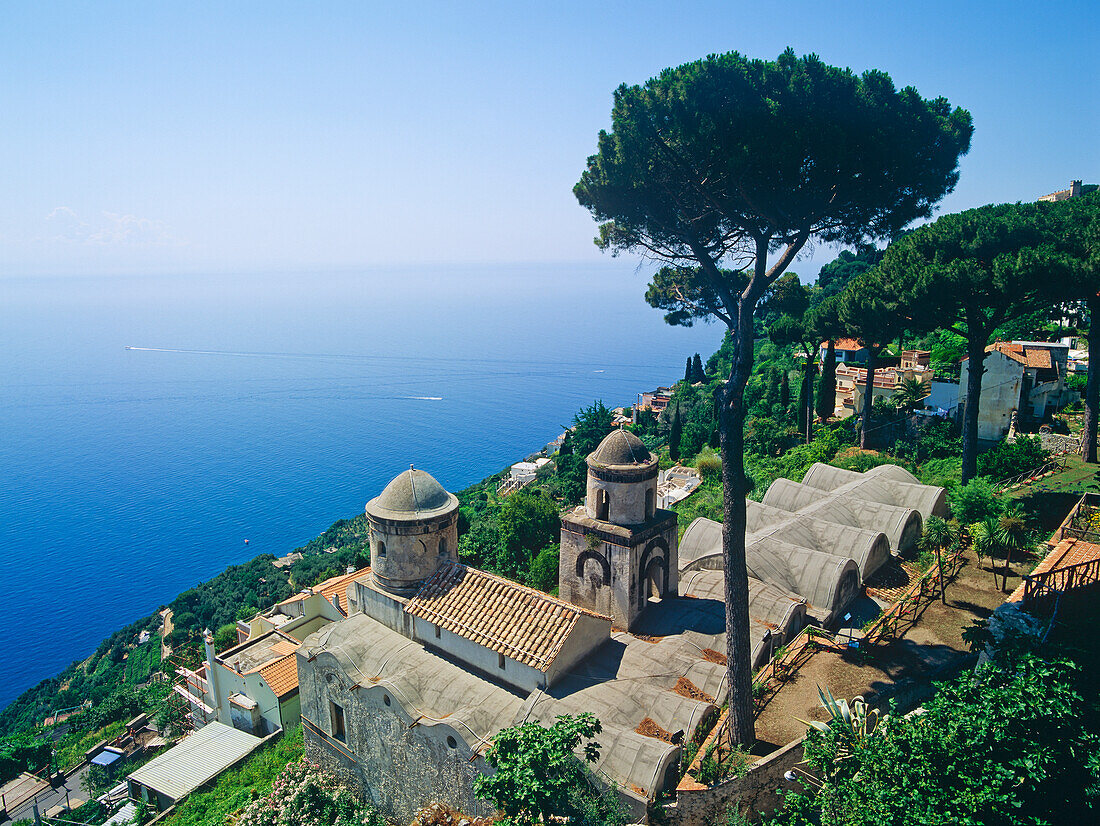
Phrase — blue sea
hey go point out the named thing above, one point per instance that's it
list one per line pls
(150, 425)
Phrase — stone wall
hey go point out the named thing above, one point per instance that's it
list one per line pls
(397, 762)
(606, 568)
(755, 793)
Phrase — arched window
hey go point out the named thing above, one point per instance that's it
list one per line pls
(650, 503)
(442, 546)
(381, 549)
(603, 505)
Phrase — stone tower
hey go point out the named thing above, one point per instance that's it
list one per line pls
(413, 530)
(618, 551)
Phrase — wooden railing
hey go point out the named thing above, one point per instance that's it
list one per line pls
(1061, 580)
(1055, 464)
(893, 622)
(786, 660)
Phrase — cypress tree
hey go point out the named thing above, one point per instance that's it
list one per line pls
(803, 404)
(697, 372)
(826, 388)
(687, 372)
(674, 435)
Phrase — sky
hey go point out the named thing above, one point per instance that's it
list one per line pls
(192, 137)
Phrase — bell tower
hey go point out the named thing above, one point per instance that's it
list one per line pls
(618, 550)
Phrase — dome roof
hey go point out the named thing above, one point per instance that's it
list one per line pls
(412, 495)
(621, 449)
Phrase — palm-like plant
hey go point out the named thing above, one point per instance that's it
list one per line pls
(1012, 534)
(910, 394)
(937, 537)
(987, 541)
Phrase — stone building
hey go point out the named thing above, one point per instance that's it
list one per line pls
(403, 697)
(618, 550)
(1076, 190)
(1026, 378)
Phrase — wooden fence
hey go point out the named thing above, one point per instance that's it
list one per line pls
(899, 617)
(1060, 580)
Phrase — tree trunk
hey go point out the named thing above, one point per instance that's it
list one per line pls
(808, 397)
(868, 399)
(826, 388)
(731, 422)
(974, 369)
(1092, 387)
(939, 567)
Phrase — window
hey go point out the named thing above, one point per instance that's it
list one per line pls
(438, 632)
(443, 546)
(386, 699)
(500, 661)
(381, 549)
(452, 742)
(602, 505)
(649, 504)
(336, 713)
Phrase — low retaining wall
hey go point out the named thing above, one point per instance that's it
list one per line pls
(755, 792)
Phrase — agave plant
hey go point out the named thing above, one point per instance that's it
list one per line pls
(853, 723)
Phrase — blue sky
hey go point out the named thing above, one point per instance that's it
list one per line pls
(148, 137)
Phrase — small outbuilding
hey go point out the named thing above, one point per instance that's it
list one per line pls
(194, 761)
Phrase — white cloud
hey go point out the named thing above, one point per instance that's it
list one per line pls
(107, 229)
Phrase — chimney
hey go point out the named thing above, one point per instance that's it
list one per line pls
(1074, 189)
(211, 673)
(350, 569)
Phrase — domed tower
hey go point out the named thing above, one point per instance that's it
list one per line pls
(618, 551)
(413, 530)
(622, 480)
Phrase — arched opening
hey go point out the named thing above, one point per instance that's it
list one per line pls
(653, 571)
(442, 546)
(653, 586)
(381, 549)
(650, 503)
(603, 505)
(601, 562)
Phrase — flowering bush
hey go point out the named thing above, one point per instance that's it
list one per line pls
(304, 795)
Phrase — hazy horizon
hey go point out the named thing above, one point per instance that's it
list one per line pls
(245, 138)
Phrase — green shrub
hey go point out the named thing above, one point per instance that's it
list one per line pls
(974, 502)
(1007, 459)
(544, 569)
(709, 464)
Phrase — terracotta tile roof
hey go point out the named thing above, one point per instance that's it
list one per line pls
(329, 587)
(1067, 553)
(844, 344)
(519, 622)
(338, 585)
(283, 647)
(282, 675)
(1038, 357)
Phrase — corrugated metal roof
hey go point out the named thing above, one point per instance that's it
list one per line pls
(194, 760)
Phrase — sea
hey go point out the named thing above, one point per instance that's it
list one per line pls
(155, 429)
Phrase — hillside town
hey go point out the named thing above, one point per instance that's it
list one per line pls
(862, 534)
